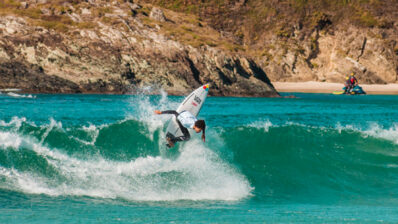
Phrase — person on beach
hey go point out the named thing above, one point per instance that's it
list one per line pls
(350, 83)
(185, 120)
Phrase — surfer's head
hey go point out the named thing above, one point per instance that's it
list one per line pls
(199, 126)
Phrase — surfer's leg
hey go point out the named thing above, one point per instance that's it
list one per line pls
(186, 136)
(184, 131)
(172, 139)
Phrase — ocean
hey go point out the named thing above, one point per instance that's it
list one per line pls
(315, 158)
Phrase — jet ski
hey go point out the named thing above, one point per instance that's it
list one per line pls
(357, 90)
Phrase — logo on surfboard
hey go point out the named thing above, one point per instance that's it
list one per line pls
(196, 101)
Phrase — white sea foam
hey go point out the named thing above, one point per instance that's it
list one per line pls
(197, 174)
(145, 114)
(15, 122)
(371, 130)
(92, 131)
(16, 95)
(9, 140)
(48, 128)
(377, 131)
(262, 124)
(374, 130)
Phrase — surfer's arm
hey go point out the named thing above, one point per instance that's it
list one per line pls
(166, 112)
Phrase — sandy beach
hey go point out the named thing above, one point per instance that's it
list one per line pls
(324, 87)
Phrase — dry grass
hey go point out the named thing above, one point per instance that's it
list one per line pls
(191, 20)
(53, 25)
(257, 20)
(365, 18)
(57, 20)
(186, 29)
(264, 15)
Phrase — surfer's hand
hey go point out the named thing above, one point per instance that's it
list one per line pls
(158, 112)
(204, 138)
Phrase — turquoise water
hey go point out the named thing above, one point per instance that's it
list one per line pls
(101, 159)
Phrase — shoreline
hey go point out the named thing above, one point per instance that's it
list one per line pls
(281, 87)
(171, 93)
(326, 87)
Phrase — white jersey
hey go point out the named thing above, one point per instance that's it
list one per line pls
(187, 119)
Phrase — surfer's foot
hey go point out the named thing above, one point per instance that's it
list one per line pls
(170, 143)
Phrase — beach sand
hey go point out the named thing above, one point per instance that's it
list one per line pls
(325, 87)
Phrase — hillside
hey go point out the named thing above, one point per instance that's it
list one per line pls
(239, 46)
(307, 40)
(95, 46)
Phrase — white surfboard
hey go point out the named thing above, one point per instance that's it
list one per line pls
(192, 103)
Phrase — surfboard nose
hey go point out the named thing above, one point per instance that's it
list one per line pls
(206, 86)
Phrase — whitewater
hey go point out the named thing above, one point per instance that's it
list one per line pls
(102, 158)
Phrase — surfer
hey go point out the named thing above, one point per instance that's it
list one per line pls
(185, 120)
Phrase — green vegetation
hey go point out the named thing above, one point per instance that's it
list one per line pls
(53, 25)
(260, 15)
(56, 18)
(367, 19)
(85, 25)
(253, 22)
(100, 12)
(248, 24)
(283, 31)
(233, 47)
(189, 29)
(267, 55)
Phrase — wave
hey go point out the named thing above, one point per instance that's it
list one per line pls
(375, 130)
(117, 160)
(16, 95)
(127, 159)
(297, 162)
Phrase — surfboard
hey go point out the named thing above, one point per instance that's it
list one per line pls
(338, 92)
(192, 103)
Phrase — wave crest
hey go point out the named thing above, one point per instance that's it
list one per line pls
(83, 161)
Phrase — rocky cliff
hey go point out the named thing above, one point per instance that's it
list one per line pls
(307, 40)
(100, 46)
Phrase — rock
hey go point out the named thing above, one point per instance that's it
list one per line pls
(293, 42)
(86, 11)
(32, 79)
(45, 11)
(75, 17)
(157, 14)
(331, 57)
(134, 6)
(24, 5)
(120, 12)
(119, 57)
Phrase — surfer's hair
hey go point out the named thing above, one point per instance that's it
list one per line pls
(201, 124)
